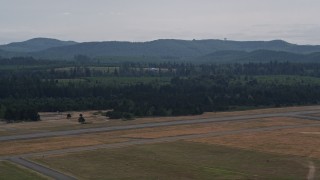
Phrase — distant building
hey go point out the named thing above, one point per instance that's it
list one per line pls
(152, 69)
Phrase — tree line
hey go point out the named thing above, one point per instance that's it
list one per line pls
(193, 89)
(183, 96)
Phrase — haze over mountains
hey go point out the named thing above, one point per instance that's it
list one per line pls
(36, 44)
(200, 50)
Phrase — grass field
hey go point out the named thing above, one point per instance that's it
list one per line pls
(179, 160)
(57, 121)
(299, 141)
(213, 127)
(286, 79)
(275, 154)
(9, 171)
(122, 81)
(109, 69)
(54, 143)
(115, 81)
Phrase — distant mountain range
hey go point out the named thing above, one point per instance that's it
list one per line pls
(200, 50)
(34, 45)
(257, 56)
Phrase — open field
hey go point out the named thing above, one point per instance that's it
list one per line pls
(288, 79)
(53, 121)
(13, 172)
(109, 69)
(301, 141)
(115, 81)
(214, 127)
(125, 81)
(58, 121)
(179, 160)
(240, 145)
(54, 143)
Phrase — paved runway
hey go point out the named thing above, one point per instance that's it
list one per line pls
(156, 124)
(20, 159)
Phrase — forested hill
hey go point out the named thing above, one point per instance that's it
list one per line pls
(36, 44)
(256, 56)
(40, 48)
(175, 48)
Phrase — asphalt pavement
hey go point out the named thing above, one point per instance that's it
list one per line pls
(20, 159)
(41, 169)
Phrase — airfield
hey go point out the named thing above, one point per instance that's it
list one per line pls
(275, 143)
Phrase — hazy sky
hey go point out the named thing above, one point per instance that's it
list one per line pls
(296, 21)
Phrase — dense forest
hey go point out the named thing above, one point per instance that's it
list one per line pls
(133, 89)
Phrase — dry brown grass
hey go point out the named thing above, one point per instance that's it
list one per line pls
(301, 141)
(54, 122)
(216, 127)
(45, 144)
(58, 121)
(232, 113)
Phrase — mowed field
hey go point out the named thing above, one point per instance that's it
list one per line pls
(180, 160)
(55, 143)
(14, 172)
(214, 150)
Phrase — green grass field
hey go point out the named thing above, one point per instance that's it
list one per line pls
(115, 81)
(9, 171)
(179, 160)
(109, 69)
(122, 81)
(283, 79)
